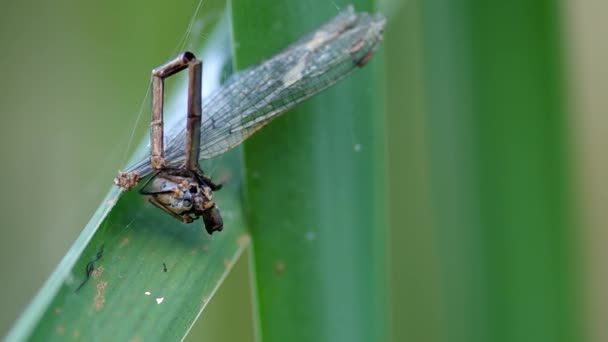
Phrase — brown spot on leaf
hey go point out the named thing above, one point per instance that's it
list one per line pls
(100, 296)
(124, 242)
(279, 267)
(60, 330)
(97, 272)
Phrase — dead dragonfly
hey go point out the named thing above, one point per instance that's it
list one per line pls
(245, 103)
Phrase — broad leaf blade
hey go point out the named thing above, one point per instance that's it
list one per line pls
(128, 289)
(316, 193)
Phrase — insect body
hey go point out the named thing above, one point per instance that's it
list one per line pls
(184, 195)
(183, 192)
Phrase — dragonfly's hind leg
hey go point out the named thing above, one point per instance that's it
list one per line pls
(128, 180)
(181, 62)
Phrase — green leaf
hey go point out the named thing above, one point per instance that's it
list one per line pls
(129, 289)
(316, 192)
(498, 159)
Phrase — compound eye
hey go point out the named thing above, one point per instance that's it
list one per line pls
(193, 189)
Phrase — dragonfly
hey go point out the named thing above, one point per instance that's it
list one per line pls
(245, 103)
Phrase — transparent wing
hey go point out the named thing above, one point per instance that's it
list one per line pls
(252, 98)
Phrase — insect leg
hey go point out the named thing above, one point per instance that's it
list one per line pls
(212, 185)
(193, 123)
(181, 62)
(209, 182)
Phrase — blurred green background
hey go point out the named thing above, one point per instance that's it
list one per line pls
(495, 132)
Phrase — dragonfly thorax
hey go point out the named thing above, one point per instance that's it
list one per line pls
(181, 195)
